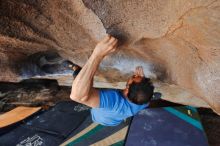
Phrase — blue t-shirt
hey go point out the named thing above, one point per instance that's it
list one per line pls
(114, 108)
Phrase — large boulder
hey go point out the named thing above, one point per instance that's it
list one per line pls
(177, 42)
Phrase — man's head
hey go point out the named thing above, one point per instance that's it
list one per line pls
(139, 89)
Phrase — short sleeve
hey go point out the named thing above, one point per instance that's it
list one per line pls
(108, 98)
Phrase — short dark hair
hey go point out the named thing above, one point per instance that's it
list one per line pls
(141, 93)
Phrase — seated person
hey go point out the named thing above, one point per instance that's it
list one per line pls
(109, 106)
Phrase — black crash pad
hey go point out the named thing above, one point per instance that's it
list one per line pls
(62, 119)
(51, 127)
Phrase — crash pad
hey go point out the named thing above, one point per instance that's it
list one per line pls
(90, 133)
(51, 127)
(61, 119)
(177, 126)
(27, 136)
(16, 115)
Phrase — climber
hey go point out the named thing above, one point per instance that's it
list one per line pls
(110, 106)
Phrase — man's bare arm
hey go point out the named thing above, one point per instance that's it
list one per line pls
(82, 90)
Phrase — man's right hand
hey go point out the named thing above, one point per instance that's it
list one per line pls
(139, 71)
(82, 87)
(106, 46)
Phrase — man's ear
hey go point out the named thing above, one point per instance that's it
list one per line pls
(125, 92)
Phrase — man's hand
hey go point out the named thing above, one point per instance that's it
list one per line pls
(105, 47)
(139, 71)
(82, 89)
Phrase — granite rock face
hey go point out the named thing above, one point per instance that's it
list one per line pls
(177, 42)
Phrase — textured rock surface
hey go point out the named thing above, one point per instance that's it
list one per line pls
(177, 42)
